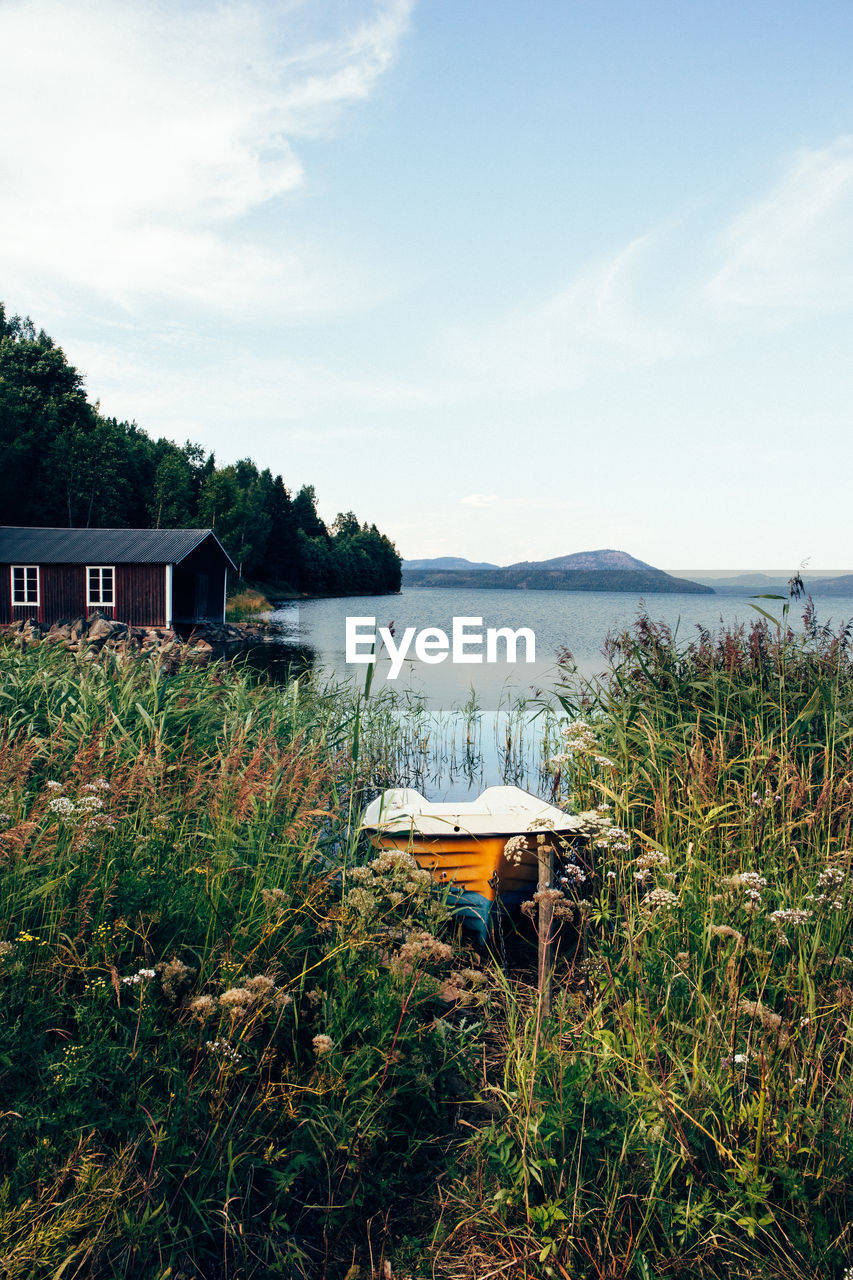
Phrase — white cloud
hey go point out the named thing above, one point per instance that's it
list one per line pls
(139, 134)
(794, 249)
(480, 500)
(593, 325)
(539, 501)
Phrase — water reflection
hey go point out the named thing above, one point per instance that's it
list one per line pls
(449, 731)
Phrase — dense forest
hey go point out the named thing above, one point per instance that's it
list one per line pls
(62, 463)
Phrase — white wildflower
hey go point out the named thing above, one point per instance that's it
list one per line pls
(750, 882)
(647, 861)
(141, 975)
(515, 849)
(661, 899)
(829, 890)
(793, 916)
(222, 1049)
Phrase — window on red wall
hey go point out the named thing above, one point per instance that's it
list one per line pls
(100, 584)
(25, 584)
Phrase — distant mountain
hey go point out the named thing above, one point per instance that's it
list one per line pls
(840, 586)
(750, 584)
(589, 560)
(585, 571)
(746, 584)
(447, 562)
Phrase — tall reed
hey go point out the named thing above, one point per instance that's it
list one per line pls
(686, 1111)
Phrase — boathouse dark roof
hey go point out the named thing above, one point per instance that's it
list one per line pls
(102, 546)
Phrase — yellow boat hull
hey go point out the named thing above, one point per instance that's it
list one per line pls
(467, 865)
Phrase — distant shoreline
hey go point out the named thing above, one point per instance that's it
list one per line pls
(522, 579)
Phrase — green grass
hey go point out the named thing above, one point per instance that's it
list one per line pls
(212, 1062)
(290, 1095)
(687, 1109)
(247, 603)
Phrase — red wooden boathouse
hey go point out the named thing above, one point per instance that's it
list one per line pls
(144, 577)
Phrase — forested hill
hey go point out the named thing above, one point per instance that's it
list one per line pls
(63, 464)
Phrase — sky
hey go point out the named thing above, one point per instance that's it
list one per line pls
(509, 278)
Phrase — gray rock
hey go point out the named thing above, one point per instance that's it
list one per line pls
(100, 629)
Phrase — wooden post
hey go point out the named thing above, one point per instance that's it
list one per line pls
(545, 858)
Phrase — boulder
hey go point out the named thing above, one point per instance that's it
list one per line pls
(100, 629)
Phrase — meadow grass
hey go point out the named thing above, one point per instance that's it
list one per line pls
(235, 1043)
(217, 1059)
(246, 603)
(686, 1111)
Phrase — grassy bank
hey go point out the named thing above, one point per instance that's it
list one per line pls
(235, 1044)
(247, 603)
(686, 1111)
(215, 1059)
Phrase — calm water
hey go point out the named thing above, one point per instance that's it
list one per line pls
(577, 621)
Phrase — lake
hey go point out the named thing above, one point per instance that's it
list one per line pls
(573, 620)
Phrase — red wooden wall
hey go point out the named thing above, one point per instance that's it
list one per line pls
(140, 594)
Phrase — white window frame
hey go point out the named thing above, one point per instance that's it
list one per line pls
(100, 602)
(25, 604)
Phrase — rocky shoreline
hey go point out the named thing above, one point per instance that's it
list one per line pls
(198, 643)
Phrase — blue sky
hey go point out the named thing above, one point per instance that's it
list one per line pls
(511, 279)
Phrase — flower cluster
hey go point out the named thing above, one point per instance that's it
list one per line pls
(614, 839)
(578, 738)
(648, 862)
(239, 1003)
(141, 975)
(222, 1049)
(421, 947)
(595, 820)
(794, 916)
(235, 1000)
(515, 849)
(65, 807)
(659, 899)
(751, 884)
(389, 881)
(322, 1044)
(829, 890)
(560, 906)
(85, 812)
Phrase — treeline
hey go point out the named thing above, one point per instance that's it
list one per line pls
(62, 463)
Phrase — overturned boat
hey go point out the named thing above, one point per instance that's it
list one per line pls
(464, 844)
